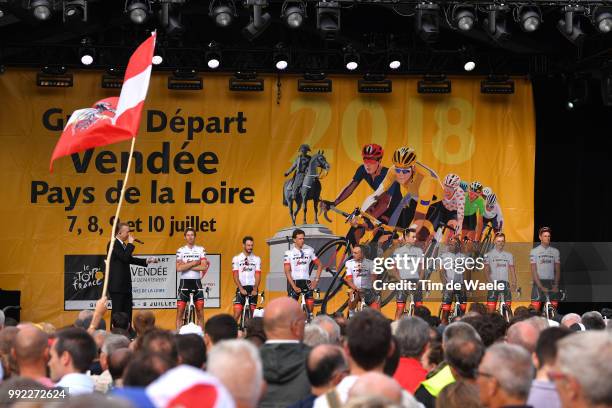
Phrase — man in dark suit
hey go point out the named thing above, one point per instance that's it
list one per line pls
(120, 279)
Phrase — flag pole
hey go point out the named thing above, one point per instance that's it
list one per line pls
(116, 219)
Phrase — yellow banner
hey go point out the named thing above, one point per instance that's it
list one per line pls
(217, 158)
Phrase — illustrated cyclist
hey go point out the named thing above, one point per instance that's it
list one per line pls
(453, 271)
(246, 271)
(418, 185)
(408, 268)
(493, 213)
(192, 264)
(297, 262)
(545, 270)
(499, 268)
(474, 211)
(360, 278)
(450, 210)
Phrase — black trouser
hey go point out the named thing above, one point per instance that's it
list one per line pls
(122, 302)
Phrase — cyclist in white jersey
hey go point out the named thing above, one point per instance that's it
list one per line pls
(493, 213)
(545, 270)
(246, 271)
(408, 268)
(360, 278)
(449, 211)
(192, 264)
(297, 262)
(452, 272)
(499, 266)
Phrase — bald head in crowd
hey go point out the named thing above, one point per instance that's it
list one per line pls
(284, 320)
(376, 384)
(31, 352)
(326, 366)
(524, 334)
(570, 319)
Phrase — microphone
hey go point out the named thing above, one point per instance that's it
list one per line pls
(139, 241)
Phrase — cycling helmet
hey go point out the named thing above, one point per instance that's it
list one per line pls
(404, 157)
(487, 191)
(476, 187)
(491, 199)
(464, 185)
(372, 152)
(452, 180)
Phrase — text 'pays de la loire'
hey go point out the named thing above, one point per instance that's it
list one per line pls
(157, 121)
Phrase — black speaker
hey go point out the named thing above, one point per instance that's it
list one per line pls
(10, 303)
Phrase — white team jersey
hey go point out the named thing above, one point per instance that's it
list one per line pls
(246, 267)
(499, 263)
(361, 272)
(494, 212)
(545, 260)
(411, 257)
(299, 260)
(187, 254)
(454, 270)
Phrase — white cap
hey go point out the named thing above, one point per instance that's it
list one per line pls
(191, 328)
(553, 323)
(258, 313)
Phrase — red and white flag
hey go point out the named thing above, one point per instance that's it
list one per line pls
(111, 120)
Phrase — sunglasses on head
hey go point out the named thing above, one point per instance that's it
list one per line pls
(403, 171)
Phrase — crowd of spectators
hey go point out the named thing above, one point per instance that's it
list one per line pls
(280, 361)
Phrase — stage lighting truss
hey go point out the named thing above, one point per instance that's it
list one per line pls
(328, 19)
(54, 77)
(495, 22)
(185, 80)
(428, 21)
(139, 11)
(374, 83)
(314, 83)
(434, 84)
(74, 11)
(293, 13)
(246, 81)
(570, 25)
(497, 84)
(223, 12)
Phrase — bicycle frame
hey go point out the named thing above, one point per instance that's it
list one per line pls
(189, 315)
(549, 309)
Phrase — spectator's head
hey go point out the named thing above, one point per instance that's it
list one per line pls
(583, 371)
(376, 384)
(459, 330)
(504, 376)
(330, 326)
(120, 320)
(99, 336)
(593, 321)
(118, 360)
(7, 342)
(524, 333)
(433, 356)
(463, 354)
(326, 365)
(422, 312)
(220, 327)
(73, 352)
(546, 347)
(315, 335)
(146, 367)
(284, 320)
(460, 394)
(191, 350)
(522, 313)
(31, 351)
(478, 308)
(491, 327)
(111, 343)
(160, 341)
(144, 321)
(412, 336)
(83, 317)
(368, 340)
(570, 319)
(237, 364)
(255, 331)
(340, 319)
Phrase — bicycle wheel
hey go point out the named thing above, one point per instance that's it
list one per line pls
(333, 257)
(506, 313)
(246, 316)
(191, 315)
(487, 242)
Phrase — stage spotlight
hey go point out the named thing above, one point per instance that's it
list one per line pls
(395, 60)
(577, 93)
(602, 19)
(222, 12)
(86, 52)
(428, 21)
(259, 20)
(497, 84)
(469, 65)
(351, 58)
(138, 11)
(328, 19)
(41, 9)
(570, 26)
(75, 10)
(464, 17)
(281, 57)
(495, 22)
(157, 59)
(293, 14)
(185, 80)
(213, 56)
(530, 19)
